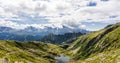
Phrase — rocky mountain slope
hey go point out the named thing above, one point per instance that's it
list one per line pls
(99, 46)
(28, 52)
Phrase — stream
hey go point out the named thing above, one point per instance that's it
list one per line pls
(62, 59)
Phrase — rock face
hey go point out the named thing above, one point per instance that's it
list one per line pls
(4, 60)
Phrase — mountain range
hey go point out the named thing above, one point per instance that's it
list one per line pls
(101, 46)
(34, 34)
(56, 39)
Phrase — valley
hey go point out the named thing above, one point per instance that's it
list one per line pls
(59, 31)
(29, 52)
(94, 47)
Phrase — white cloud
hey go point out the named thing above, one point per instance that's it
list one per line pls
(67, 12)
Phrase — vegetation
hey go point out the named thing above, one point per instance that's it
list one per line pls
(91, 48)
(101, 46)
(28, 52)
(112, 56)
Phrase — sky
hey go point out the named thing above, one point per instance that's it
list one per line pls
(84, 14)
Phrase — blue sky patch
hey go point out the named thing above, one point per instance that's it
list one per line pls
(92, 3)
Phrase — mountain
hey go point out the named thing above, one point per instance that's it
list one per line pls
(56, 39)
(101, 46)
(34, 34)
(6, 29)
(50, 30)
(45, 31)
(28, 52)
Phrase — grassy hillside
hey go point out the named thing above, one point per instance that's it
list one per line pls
(28, 52)
(112, 56)
(101, 46)
(91, 48)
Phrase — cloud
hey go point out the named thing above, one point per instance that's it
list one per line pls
(23, 13)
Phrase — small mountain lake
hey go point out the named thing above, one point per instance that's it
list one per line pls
(62, 59)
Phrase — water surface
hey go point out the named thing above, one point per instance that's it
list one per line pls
(62, 59)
